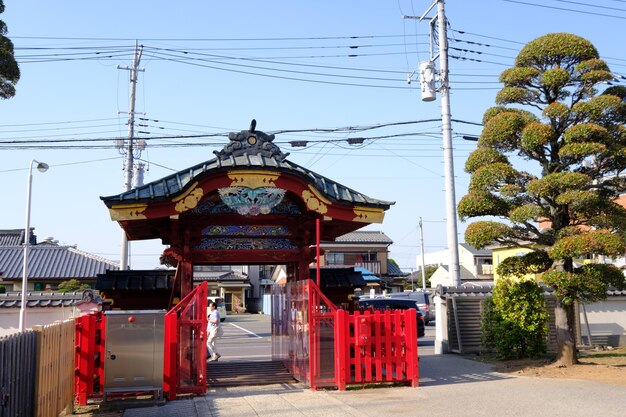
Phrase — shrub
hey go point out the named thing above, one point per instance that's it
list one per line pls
(515, 320)
(2, 289)
(72, 285)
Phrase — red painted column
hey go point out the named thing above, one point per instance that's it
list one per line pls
(317, 251)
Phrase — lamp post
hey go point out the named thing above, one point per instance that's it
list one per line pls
(41, 167)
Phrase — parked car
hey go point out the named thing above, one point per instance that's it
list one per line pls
(395, 304)
(221, 306)
(423, 301)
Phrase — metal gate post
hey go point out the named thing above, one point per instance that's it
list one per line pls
(341, 344)
(170, 375)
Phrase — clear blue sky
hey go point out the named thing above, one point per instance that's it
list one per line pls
(212, 66)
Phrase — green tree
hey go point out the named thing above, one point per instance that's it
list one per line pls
(573, 144)
(9, 70)
(72, 285)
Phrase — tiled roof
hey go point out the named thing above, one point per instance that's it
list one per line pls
(15, 237)
(219, 276)
(364, 236)
(42, 299)
(166, 187)
(394, 271)
(155, 279)
(52, 262)
(485, 290)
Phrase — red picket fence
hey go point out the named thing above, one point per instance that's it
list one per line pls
(184, 369)
(374, 348)
(89, 357)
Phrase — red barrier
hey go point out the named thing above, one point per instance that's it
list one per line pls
(323, 346)
(378, 347)
(184, 366)
(89, 357)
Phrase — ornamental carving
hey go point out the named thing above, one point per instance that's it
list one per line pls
(189, 201)
(251, 142)
(252, 201)
(313, 203)
(245, 243)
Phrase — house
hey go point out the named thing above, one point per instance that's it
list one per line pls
(368, 250)
(476, 265)
(49, 263)
(228, 282)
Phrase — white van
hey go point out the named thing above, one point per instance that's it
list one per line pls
(221, 306)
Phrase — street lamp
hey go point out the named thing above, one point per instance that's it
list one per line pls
(41, 167)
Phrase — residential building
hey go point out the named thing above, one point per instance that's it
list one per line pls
(365, 249)
(49, 263)
(476, 265)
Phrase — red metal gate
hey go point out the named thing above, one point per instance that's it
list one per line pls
(184, 368)
(323, 346)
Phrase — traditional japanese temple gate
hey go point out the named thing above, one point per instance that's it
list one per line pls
(251, 206)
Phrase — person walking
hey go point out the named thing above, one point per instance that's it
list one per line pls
(214, 331)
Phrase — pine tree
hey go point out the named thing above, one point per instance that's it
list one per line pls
(571, 141)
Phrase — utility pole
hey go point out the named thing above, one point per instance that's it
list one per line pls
(439, 22)
(422, 250)
(127, 149)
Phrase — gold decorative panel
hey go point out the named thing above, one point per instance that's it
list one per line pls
(134, 212)
(368, 215)
(253, 178)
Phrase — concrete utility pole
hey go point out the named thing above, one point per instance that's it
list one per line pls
(439, 21)
(127, 148)
(422, 250)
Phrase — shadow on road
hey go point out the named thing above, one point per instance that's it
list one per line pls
(451, 369)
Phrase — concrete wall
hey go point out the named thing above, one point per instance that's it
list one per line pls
(607, 322)
(10, 317)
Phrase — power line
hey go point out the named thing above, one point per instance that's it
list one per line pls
(565, 9)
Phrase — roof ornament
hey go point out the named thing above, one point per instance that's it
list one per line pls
(251, 142)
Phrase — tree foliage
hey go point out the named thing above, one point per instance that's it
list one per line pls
(9, 70)
(515, 320)
(571, 142)
(72, 285)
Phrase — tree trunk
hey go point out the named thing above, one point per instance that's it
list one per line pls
(565, 321)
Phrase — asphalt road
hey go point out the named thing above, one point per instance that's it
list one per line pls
(248, 337)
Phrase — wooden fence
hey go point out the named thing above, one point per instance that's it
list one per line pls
(37, 371)
(18, 359)
(54, 391)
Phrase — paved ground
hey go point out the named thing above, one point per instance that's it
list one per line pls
(449, 386)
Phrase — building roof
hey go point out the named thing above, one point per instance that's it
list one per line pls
(156, 279)
(394, 270)
(365, 236)
(338, 277)
(243, 154)
(219, 276)
(47, 299)
(476, 252)
(15, 237)
(52, 262)
(368, 275)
